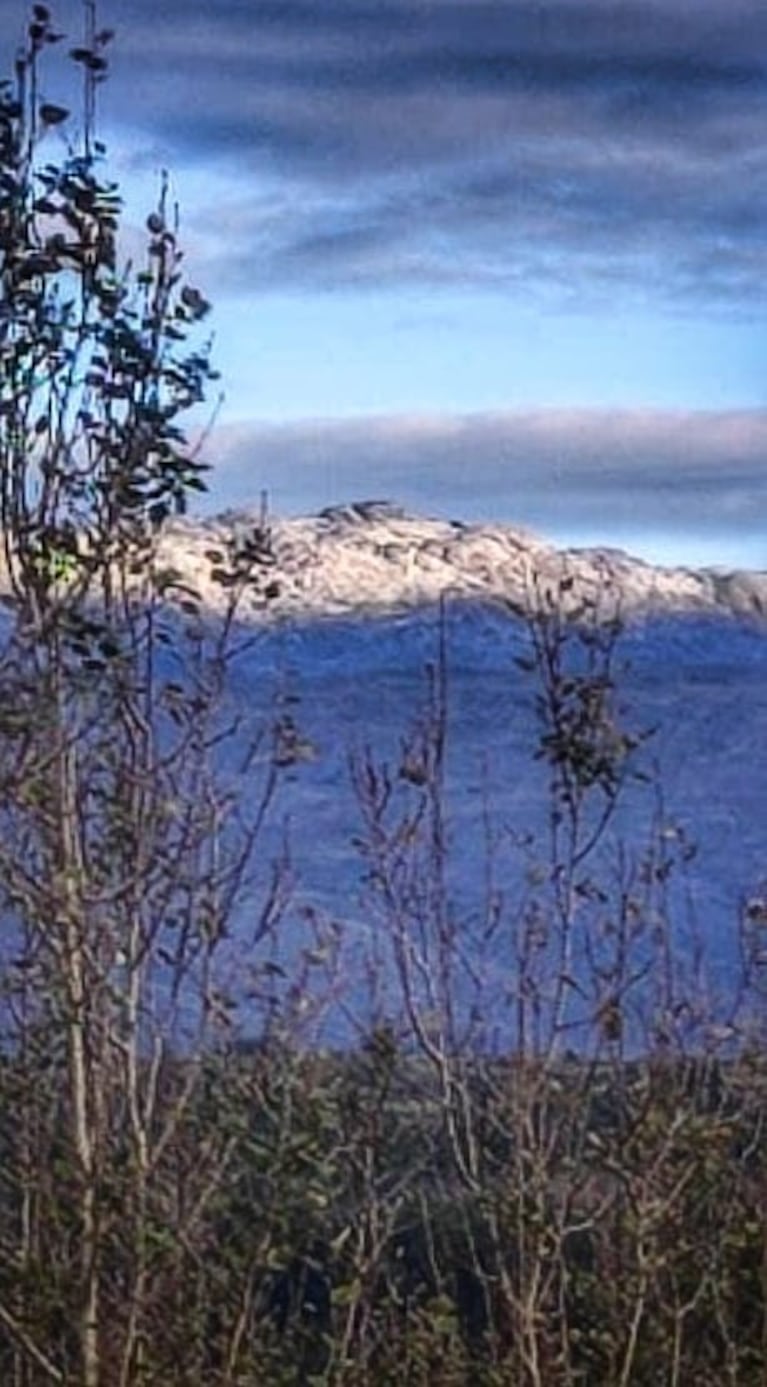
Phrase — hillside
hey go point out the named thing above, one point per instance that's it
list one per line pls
(344, 654)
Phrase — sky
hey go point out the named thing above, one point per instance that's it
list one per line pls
(493, 259)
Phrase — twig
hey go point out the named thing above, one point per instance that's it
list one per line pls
(29, 1346)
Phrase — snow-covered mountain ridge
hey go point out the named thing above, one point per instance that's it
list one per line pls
(373, 557)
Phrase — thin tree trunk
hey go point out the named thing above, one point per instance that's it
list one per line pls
(82, 1065)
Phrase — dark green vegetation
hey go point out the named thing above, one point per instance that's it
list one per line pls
(340, 1219)
(178, 1207)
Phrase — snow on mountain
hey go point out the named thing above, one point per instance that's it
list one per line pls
(372, 556)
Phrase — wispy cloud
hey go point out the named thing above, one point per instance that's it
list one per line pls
(578, 147)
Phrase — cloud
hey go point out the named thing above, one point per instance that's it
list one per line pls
(572, 146)
(561, 471)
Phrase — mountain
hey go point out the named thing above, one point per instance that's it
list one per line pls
(371, 556)
(344, 651)
(343, 655)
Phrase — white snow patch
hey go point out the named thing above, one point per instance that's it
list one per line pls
(372, 557)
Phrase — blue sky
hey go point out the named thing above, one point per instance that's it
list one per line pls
(505, 259)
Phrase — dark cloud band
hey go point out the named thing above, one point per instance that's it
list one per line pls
(478, 142)
(559, 470)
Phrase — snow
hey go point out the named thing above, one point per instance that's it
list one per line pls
(373, 556)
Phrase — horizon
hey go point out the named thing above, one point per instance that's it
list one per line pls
(698, 553)
(583, 502)
(505, 260)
